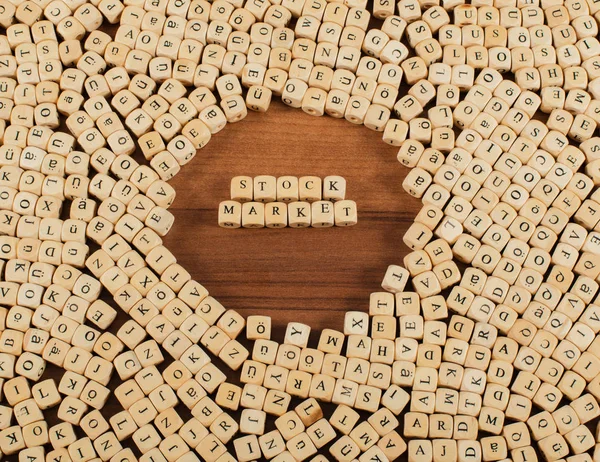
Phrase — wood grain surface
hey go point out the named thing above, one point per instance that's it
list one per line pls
(306, 275)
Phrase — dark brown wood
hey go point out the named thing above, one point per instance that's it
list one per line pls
(306, 275)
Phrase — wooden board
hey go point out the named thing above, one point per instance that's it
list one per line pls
(305, 275)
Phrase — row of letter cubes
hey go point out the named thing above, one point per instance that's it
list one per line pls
(267, 188)
(319, 214)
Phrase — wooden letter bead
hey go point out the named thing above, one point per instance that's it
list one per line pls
(301, 447)
(395, 279)
(344, 449)
(242, 189)
(299, 214)
(289, 425)
(253, 215)
(258, 98)
(271, 443)
(258, 327)
(420, 451)
(276, 215)
(11, 440)
(297, 334)
(346, 213)
(314, 101)
(287, 189)
(310, 188)
(247, 448)
(322, 214)
(554, 447)
(265, 188)
(586, 408)
(230, 214)
(293, 92)
(356, 322)
(334, 188)
(197, 132)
